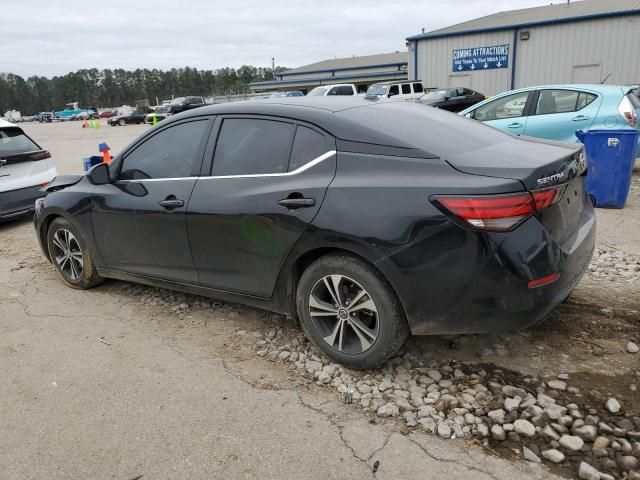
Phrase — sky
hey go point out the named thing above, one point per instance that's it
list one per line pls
(47, 37)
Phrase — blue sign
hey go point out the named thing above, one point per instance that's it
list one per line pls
(481, 58)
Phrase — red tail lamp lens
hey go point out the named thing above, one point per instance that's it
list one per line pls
(539, 282)
(500, 213)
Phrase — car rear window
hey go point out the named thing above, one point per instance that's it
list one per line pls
(307, 145)
(634, 98)
(14, 141)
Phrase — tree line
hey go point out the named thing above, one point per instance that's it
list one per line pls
(111, 88)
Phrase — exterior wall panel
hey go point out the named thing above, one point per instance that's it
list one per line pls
(552, 51)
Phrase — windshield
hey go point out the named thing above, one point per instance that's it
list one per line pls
(435, 95)
(178, 101)
(377, 90)
(14, 141)
(317, 92)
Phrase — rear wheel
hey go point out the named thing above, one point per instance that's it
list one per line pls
(121, 122)
(70, 255)
(350, 312)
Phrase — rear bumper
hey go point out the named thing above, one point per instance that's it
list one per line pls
(469, 282)
(17, 202)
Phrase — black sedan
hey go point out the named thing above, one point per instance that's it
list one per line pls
(127, 118)
(452, 99)
(367, 221)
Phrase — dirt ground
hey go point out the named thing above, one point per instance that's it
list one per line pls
(112, 383)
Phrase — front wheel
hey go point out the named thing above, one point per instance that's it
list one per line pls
(121, 122)
(70, 255)
(350, 312)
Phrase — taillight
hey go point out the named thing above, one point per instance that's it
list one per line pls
(499, 213)
(628, 112)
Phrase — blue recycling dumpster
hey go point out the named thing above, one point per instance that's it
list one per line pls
(88, 162)
(610, 156)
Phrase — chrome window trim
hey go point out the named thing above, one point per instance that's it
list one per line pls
(297, 171)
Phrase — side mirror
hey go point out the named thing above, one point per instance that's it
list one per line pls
(469, 115)
(99, 174)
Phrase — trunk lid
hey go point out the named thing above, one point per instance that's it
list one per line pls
(535, 163)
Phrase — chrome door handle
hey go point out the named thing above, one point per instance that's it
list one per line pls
(295, 203)
(514, 125)
(171, 202)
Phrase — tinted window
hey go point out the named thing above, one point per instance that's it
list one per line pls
(307, 145)
(556, 101)
(13, 141)
(406, 88)
(505, 107)
(417, 88)
(466, 91)
(394, 90)
(170, 153)
(252, 146)
(345, 90)
(585, 99)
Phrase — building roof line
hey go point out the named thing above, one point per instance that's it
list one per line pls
(514, 26)
(284, 83)
(339, 69)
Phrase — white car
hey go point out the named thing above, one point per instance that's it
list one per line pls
(24, 169)
(407, 90)
(331, 90)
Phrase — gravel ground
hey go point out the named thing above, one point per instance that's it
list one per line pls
(562, 394)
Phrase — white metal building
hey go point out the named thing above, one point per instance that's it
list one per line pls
(362, 71)
(590, 41)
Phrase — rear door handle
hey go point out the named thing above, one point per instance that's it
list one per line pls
(514, 125)
(171, 202)
(580, 118)
(294, 203)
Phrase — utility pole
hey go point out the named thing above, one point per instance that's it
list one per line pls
(273, 63)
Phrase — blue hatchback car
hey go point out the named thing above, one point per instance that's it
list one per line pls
(555, 112)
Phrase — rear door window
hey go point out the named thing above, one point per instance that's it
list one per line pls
(394, 90)
(249, 146)
(557, 101)
(417, 88)
(307, 146)
(406, 89)
(171, 153)
(13, 141)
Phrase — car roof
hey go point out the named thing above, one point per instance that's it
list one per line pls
(597, 87)
(392, 123)
(396, 82)
(5, 124)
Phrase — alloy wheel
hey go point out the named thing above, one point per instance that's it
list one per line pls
(68, 254)
(344, 314)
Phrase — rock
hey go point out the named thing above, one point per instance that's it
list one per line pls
(444, 430)
(612, 405)
(554, 412)
(587, 472)
(424, 380)
(410, 419)
(601, 442)
(586, 432)
(404, 405)
(469, 419)
(545, 401)
(524, 427)
(429, 424)
(632, 347)
(627, 462)
(563, 376)
(497, 416)
(511, 404)
(557, 385)
(553, 455)
(571, 442)
(510, 391)
(284, 355)
(550, 433)
(435, 375)
(482, 431)
(313, 365)
(388, 410)
(497, 433)
(530, 456)
(426, 411)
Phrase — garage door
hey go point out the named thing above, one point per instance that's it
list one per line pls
(587, 74)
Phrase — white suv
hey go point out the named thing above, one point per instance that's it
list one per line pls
(24, 169)
(405, 89)
(331, 90)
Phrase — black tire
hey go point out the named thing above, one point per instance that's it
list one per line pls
(388, 322)
(122, 122)
(87, 276)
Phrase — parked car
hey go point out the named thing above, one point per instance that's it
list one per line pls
(106, 114)
(366, 220)
(452, 99)
(292, 93)
(127, 118)
(24, 169)
(182, 104)
(160, 113)
(405, 90)
(342, 89)
(555, 112)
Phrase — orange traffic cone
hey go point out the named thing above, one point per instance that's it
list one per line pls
(84, 123)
